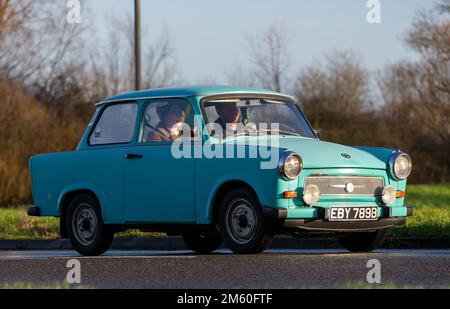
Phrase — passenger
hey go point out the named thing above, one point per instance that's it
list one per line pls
(229, 116)
(171, 116)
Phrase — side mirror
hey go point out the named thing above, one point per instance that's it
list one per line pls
(317, 133)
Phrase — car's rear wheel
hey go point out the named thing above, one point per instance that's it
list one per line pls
(363, 241)
(242, 224)
(87, 232)
(202, 242)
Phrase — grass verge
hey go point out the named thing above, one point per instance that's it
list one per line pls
(431, 218)
(16, 224)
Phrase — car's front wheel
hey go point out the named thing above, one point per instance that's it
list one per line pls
(242, 224)
(363, 241)
(202, 242)
(87, 232)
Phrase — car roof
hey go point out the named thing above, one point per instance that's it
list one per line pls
(184, 92)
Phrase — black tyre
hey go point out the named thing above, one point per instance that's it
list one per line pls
(242, 224)
(202, 242)
(87, 232)
(363, 242)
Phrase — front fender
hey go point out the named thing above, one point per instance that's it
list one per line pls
(268, 188)
(83, 186)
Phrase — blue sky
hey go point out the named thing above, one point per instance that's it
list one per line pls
(209, 36)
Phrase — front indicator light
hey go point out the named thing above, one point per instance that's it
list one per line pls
(290, 194)
(311, 194)
(388, 195)
(400, 194)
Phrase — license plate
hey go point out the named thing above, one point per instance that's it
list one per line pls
(352, 213)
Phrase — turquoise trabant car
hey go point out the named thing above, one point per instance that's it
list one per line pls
(217, 164)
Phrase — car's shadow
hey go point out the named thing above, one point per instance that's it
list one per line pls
(228, 253)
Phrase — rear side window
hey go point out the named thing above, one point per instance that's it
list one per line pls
(116, 125)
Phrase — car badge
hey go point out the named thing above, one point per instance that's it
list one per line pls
(349, 187)
(347, 156)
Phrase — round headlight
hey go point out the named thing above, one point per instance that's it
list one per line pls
(290, 165)
(401, 165)
(311, 194)
(388, 195)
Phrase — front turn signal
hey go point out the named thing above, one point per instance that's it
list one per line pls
(290, 194)
(400, 194)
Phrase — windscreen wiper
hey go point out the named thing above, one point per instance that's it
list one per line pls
(281, 132)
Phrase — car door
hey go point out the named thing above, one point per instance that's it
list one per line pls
(102, 163)
(159, 188)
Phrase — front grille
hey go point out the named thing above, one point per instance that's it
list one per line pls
(347, 185)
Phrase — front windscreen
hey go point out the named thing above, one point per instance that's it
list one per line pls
(255, 116)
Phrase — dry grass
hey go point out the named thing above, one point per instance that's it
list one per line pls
(28, 128)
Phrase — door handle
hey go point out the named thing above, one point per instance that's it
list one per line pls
(131, 156)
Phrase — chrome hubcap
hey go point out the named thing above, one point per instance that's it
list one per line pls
(241, 221)
(85, 224)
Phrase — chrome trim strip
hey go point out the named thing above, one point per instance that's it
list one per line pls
(343, 186)
(139, 98)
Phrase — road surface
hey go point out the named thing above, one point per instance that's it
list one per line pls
(272, 269)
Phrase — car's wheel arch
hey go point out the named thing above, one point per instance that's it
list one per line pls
(225, 188)
(64, 202)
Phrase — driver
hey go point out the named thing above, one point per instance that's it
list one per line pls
(168, 129)
(229, 116)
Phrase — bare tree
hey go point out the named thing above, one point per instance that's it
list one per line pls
(36, 42)
(43, 54)
(159, 62)
(429, 78)
(416, 94)
(339, 85)
(335, 96)
(430, 37)
(241, 75)
(443, 6)
(117, 59)
(269, 58)
(13, 15)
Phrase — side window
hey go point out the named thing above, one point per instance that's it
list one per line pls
(167, 121)
(91, 123)
(116, 125)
